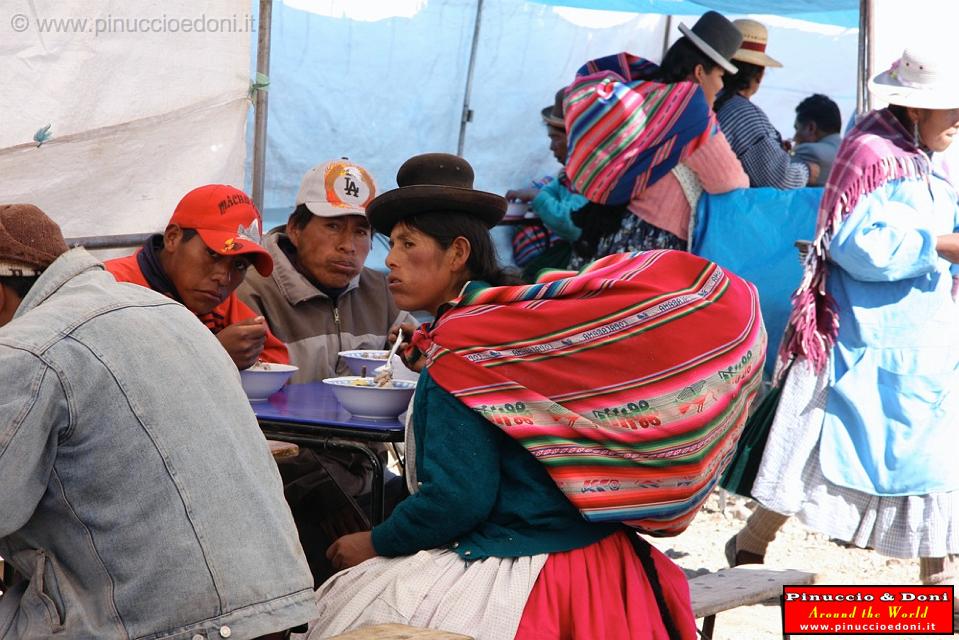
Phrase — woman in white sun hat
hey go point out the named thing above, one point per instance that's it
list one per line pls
(862, 446)
(753, 138)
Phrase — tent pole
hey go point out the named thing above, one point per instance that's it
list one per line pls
(261, 103)
(669, 27)
(870, 48)
(865, 46)
(467, 114)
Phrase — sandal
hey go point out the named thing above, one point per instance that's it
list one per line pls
(736, 557)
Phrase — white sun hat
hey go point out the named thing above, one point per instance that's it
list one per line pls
(920, 78)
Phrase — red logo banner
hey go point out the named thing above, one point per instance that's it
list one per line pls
(857, 610)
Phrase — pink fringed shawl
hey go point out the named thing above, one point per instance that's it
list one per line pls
(878, 150)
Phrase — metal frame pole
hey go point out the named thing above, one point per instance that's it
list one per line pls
(467, 113)
(261, 100)
(866, 54)
(870, 47)
(669, 27)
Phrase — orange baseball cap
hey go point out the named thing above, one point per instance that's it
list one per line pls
(226, 220)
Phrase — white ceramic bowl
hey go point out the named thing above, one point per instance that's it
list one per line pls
(265, 378)
(362, 398)
(516, 210)
(369, 358)
(400, 372)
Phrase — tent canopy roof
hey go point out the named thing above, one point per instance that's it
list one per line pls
(843, 13)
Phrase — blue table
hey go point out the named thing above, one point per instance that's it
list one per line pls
(308, 414)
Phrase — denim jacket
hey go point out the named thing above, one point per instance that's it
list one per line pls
(137, 494)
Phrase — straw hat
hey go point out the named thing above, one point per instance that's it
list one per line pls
(753, 48)
(919, 79)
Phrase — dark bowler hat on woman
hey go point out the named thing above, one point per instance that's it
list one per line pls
(715, 36)
(434, 183)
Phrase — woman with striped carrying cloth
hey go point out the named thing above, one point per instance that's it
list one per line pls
(547, 416)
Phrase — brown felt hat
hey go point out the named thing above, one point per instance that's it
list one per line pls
(434, 183)
(29, 240)
(553, 115)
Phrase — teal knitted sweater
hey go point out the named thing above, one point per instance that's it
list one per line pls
(480, 492)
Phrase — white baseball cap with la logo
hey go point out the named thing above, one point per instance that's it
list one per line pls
(336, 188)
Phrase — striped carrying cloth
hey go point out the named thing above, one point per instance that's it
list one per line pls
(626, 132)
(629, 381)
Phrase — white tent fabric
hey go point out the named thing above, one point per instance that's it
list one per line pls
(147, 100)
(382, 90)
(144, 101)
(380, 86)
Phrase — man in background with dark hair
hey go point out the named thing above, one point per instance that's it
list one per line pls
(138, 496)
(817, 138)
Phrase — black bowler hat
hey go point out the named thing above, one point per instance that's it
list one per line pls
(715, 36)
(434, 183)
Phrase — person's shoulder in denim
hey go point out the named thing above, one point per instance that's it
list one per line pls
(137, 495)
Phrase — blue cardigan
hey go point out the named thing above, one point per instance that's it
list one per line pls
(480, 492)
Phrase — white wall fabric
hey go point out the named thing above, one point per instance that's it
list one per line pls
(146, 100)
(380, 91)
(383, 85)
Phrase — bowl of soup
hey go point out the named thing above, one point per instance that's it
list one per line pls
(357, 359)
(264, 379)
(364, 397)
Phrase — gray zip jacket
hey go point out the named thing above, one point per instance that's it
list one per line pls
(314, 327)
(137, 494)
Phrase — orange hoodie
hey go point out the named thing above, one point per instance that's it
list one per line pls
(228, 312)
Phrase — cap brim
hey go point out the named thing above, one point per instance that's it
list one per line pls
(327, 210)
(890, 90)
(389, 208)
(219, 241)
(757, 58)
(708, 50)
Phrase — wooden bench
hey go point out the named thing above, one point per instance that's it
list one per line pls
(398, 632)
(283, 449)
(740, 586)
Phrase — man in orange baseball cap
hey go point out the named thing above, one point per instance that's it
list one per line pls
(200, 260)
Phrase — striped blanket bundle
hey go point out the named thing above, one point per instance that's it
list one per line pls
(625, 131)
(630, 381)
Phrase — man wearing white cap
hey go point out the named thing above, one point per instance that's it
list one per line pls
(321, 300)
(753, 138)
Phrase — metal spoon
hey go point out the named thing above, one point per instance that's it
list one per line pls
(384, 374)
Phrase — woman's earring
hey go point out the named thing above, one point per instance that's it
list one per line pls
(915, 132)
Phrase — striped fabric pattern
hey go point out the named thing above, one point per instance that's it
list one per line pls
(626, 132)
(531, 240)
(758, 145)
(629, 381)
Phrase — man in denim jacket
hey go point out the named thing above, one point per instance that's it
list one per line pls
(137, 495)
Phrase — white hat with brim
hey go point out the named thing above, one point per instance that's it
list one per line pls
(336, 188)
(918, 80)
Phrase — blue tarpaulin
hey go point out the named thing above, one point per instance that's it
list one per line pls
(843, 13)
(752, 232)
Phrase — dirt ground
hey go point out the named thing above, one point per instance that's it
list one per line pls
(700, 549)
